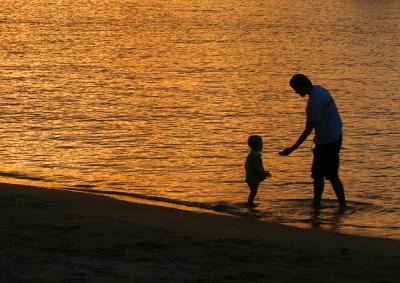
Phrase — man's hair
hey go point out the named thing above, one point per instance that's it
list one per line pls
(300, 80)
(253, 141)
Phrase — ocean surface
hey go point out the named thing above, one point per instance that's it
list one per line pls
(155, 99)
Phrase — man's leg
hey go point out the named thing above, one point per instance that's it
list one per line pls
(318, 190)
(339, 191)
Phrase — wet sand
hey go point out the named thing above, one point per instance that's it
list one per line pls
(62, 236)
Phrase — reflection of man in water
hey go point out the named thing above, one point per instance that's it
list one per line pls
(323, 116)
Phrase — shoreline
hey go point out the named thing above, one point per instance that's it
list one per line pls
(63, 236)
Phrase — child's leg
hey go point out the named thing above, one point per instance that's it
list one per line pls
(253, 192)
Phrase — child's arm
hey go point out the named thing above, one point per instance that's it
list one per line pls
(261, 171)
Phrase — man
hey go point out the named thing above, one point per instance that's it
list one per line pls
(323, 117)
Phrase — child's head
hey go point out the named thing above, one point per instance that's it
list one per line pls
(255, 142)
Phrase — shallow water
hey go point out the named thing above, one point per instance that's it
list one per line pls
(155, 99)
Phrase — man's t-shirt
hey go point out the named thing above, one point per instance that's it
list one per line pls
(321, 109)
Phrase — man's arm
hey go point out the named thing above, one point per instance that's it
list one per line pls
(306, 132)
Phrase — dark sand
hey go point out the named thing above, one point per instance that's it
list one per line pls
(61, 236)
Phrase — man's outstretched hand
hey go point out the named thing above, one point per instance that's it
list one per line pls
(286, 151)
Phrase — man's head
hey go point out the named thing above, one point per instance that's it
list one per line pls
(301, 84)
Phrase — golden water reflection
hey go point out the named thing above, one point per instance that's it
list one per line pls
(158, 97)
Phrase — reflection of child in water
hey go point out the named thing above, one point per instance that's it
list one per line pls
(255, 172)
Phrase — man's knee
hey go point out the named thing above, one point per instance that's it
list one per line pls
(318, 181)
(335, 180)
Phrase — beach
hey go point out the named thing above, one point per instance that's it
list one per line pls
(61, 236)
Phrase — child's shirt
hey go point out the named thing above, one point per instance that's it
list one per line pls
(255, 172)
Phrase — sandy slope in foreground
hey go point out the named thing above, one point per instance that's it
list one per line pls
(61, 236)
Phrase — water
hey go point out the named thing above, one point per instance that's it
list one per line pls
(155, 99)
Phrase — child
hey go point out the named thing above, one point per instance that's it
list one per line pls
(255, 172)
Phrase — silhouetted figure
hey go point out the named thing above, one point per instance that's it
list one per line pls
(323, 117)
(255, 172)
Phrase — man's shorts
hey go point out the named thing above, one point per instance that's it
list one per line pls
(326, 160)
